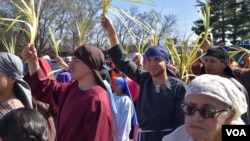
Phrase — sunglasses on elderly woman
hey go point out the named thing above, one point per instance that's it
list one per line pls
(204, 112)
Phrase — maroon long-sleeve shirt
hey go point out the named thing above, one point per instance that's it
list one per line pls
(82, 116)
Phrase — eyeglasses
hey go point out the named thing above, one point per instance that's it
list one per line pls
(204, 112)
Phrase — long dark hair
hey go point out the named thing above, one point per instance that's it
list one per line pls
(24, 124)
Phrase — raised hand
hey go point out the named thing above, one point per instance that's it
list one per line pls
(29, 53)
(108, 26)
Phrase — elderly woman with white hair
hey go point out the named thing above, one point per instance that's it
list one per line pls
(210, 102)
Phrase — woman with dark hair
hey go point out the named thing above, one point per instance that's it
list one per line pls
(14, 91)
(24, 124)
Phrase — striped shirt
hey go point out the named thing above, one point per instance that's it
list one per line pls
(7, 106)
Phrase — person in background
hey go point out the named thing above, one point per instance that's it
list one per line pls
(46, 66)
(161, 93)
(216, 62)
(24, 124)
(233, 64)
(211, 101)
(243, 76)
(134, 88)
(138, 59)
(14, 91)
(247, 60)
(84, 109)
(64, 76)
(125, 109)
(113, 72)
(105, 74)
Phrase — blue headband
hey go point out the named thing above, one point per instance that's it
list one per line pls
(158, 51)
(162, 53)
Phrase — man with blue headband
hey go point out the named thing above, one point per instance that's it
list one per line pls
(161, 94)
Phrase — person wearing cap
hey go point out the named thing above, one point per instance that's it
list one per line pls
(161, 93)
(84, 110)
(216, 62)
(210, 102)
(14, 91)
(125, 110)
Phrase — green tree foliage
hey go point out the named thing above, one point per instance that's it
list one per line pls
(229, 20)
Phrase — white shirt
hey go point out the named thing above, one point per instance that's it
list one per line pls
(123, 117)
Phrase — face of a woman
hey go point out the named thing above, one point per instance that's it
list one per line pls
(201, 128)
(78, 69)
(118, 89)
(6, 82)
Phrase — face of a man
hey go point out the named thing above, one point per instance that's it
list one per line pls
(155, 66)
(214, 66)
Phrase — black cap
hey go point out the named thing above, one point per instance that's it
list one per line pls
(221, 53)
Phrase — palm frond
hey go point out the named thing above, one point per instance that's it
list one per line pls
(31, 14)
(55, 71)
(81, 31)
(185, 58)
(147, 2)
(105, 6)
(205, 14)
(234, 50)
(141, 44)
(55, 43)
(11, 46)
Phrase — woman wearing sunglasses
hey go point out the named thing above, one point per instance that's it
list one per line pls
(210, 102)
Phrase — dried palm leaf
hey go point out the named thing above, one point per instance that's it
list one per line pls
(11, 46)
(31, 14)
(55, 43)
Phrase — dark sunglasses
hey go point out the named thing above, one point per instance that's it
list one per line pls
(204, 112)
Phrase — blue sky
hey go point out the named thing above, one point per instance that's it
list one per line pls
(185, 11)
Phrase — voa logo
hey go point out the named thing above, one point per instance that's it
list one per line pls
(236, 132)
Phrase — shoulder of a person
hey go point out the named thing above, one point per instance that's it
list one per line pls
(177, 81)
(241, 71)
(179, 134)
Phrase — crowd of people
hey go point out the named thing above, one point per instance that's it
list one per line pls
(139, 99)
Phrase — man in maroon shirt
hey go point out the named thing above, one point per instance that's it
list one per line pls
(84, 108)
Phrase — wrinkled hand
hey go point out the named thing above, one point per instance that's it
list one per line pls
(29, 52)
